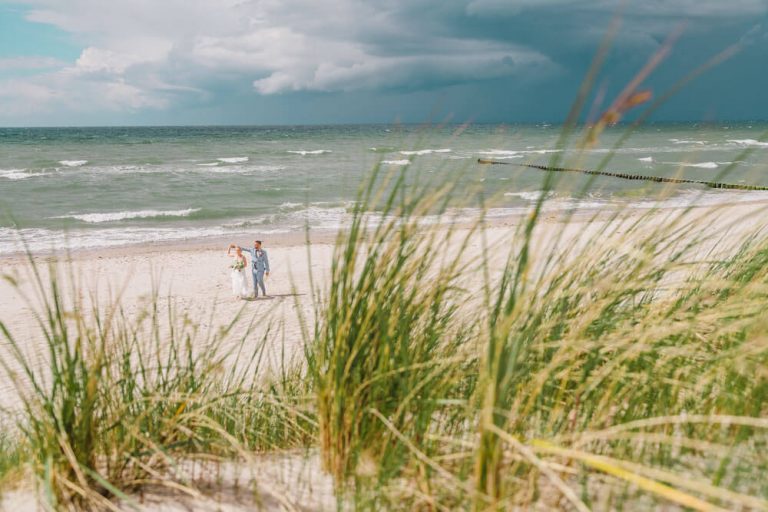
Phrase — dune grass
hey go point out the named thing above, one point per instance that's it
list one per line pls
(617, 366)
(611, 339)
(388, 354)
(119, 401)
(12, 457)
(626, 371)
(623, 367)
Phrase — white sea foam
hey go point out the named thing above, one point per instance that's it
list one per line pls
(120, 169)
(116, 216)
(529, 196)
(40, 239)
(321, 218)
(749, 143)
(73, 163)
(16, 174)
(396, 162)
(422, 152)
(324, 215)
(247, 224)
(498, 152)
(684, 141)
(542, 151)
(239, 169)
(501, 154)
(209, 164)
(233, 159)
(291, 216)
(646, 159)
(304, 152)
(126, 169)
(701, 165)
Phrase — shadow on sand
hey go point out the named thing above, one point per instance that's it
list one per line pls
(273, 297)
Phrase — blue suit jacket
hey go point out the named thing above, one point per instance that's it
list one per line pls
(259, 260)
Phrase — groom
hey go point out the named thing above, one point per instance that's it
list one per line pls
(259, 266)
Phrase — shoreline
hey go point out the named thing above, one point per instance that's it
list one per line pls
(325, 236)
(150, 248)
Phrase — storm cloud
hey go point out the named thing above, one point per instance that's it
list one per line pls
(300, 60)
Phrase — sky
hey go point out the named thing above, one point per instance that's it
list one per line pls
(178, 62)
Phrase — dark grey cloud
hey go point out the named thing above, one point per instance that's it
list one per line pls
(301, 60)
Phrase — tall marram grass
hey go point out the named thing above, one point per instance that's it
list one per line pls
(388, 355)
(614, 364)
(608, 363)
(621, 366)
(119, 402)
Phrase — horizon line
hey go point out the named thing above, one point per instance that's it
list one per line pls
(394, 124)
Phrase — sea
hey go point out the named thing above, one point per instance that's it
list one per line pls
(90, 188)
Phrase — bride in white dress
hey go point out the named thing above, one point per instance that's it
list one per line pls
(239, 279)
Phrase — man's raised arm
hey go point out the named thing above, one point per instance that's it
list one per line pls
(244, 249)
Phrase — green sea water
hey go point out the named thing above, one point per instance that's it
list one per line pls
(101, 187)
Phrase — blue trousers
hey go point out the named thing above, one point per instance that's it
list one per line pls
(258, 282)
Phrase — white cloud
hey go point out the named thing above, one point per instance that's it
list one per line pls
(29, 62)
(97, 60)
(146, 53)
(121, 93)
(141, 51)
(19, 96)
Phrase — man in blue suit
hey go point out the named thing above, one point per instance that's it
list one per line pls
(259, 266)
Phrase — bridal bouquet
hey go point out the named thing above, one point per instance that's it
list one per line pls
(238, 265)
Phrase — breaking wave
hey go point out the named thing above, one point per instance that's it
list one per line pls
(16, 174)
(304, 152)
(96, 218)
(73, 163)
(421, 152)
(749, 143)
(233, 159)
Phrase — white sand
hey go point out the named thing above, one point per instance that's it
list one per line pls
(197, 279)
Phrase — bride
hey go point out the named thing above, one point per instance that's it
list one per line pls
(239, 279)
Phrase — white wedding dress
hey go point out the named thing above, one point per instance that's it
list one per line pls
(239, 280)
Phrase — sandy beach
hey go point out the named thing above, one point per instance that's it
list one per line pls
(194, 277)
